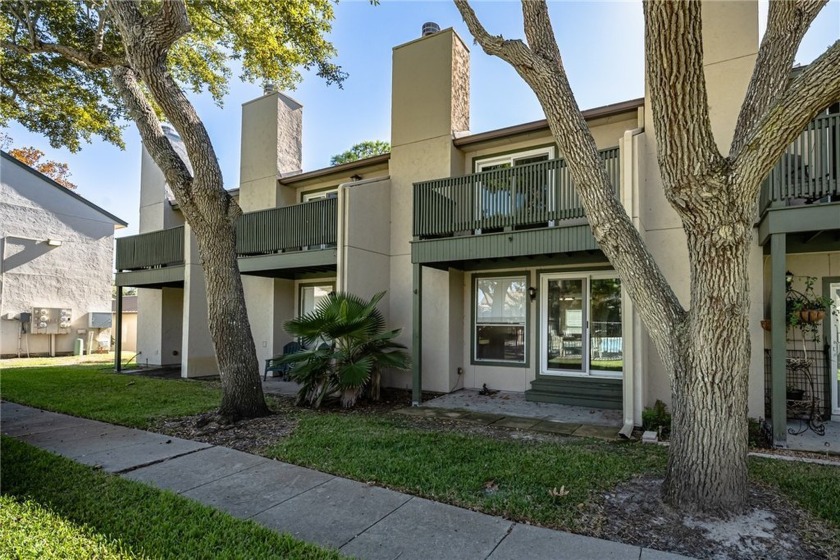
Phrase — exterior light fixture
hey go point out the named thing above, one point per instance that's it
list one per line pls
(532, 293)
(356, 177)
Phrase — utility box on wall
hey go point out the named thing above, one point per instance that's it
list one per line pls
(99, 320)
(51, 320)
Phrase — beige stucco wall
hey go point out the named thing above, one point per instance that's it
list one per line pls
(129, 331)
(75, 274)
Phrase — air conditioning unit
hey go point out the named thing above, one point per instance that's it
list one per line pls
(99, 320)
(51, 320)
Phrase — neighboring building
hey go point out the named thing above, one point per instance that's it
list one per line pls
(56, 265)
(480, 240)
(129, 322)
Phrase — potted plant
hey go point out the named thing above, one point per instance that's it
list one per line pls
(794, 393)
(806, 309)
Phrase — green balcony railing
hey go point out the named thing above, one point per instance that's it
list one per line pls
(522, 196)
(310, 224)
(151, 250)
(810, 168)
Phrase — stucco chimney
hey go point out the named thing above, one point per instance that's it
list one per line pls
(272, 146)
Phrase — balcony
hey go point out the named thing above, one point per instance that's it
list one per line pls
(277, 242)
(808, 171)
(509, 212)
(801, 197)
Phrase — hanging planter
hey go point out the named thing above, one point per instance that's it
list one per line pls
(811, 316)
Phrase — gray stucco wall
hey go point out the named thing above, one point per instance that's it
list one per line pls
(75, 274)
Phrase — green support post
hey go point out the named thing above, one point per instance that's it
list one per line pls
(416, 337)
(778, 346)
(118, 332)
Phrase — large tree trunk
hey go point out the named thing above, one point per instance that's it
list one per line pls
(242, 394)
(707, 463)
(207, 207)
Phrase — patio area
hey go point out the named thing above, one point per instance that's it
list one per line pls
(808, 440)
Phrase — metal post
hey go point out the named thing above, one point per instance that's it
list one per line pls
(417, 338)
(778, 346)
(118, 332)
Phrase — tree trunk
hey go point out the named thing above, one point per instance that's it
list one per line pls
(242, 394)
(707, 463)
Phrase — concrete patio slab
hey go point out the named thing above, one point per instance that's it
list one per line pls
(256, 489)
(417, 411)
(423, 529)
(343, 509)
(508, 404)
(482, 417)
(600, 432)
(650, 554)
(138, 455)
(518, 423)
(536, 543)
(193, 470)
(551, 427)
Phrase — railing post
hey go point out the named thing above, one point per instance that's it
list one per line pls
(118, 332)
(778, 346)
(417, 337)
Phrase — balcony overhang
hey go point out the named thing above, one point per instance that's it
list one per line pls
(536, 246)
(808, 218)
(164, 277)
(289, 265)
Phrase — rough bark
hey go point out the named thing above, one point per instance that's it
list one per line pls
(706, 349)
(209, 210)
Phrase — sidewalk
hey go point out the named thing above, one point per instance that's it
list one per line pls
(358, 519)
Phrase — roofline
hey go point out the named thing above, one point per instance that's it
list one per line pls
(65, 190)
(595, 113)
(350, 166)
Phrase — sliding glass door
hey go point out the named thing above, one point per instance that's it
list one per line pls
(581, 325)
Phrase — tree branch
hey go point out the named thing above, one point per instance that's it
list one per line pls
(96, 60)
(611, 226)
(687, 151)
(787, 23)
(816, 87)
(177, 173)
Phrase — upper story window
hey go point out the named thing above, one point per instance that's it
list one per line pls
(505, 191)
(319, 195)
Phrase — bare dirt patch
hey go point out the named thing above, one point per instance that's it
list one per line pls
(771, 528)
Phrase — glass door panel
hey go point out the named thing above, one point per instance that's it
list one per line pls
(565, 325)
(606, 352)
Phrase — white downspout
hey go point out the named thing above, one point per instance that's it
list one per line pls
(341, 239)
(629, 199)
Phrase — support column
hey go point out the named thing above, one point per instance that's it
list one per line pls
(417, 337)
(778, 346)
(118, 332)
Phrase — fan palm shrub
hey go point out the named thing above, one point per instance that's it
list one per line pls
(348, 348)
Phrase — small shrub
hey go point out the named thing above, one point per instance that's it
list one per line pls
(657, 419)
(759, 433)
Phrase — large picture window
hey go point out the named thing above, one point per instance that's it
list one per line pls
(500, 318)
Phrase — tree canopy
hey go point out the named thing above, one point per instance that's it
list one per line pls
(362, 150)
(56, 58)
(34, 158)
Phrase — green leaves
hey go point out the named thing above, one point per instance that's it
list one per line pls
(56, 58)
(362, 150)
(354, 346)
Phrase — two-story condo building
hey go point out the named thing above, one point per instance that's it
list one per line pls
(482, 244)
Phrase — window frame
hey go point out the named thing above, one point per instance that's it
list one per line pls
(311, 284)
(474, 324)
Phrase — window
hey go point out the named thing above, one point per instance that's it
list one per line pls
(319, 195)
(312, 294)
(506, 193)
(500, 318)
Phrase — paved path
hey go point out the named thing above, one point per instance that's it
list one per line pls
(360, 520)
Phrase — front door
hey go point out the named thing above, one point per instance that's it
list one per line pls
(581, 325)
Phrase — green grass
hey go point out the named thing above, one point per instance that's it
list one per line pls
(815, 488)
(92, 391)
(458, 469)
(54, 508)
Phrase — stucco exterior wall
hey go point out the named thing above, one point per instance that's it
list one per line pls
(75, 274)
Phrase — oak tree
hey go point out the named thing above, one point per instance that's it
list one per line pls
(705, 347)
(362, 150)
(73, 69)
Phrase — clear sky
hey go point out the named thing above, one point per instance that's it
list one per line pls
(601, 44)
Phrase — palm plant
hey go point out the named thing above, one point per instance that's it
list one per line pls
(349, 347)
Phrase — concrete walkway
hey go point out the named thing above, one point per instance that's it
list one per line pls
(360, 520)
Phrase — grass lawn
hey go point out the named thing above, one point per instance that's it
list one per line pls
(52, 507)
(94, 391)
(514, 478)
(501, 477)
